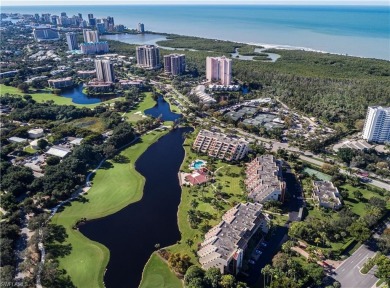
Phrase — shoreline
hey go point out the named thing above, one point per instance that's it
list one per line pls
(265, 46)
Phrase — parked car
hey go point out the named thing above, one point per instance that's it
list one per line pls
(251, 262)
(263, 244)
(258, 252)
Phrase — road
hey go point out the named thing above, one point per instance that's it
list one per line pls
(348, 273)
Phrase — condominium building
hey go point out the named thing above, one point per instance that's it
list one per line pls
(377, 124)
(264, 180)
(94, 48)
(224, 245)
(45, 34)
(220, 145)
(326, 195)
(60, 82)
(141, 28)
(90, 35)
(148, 56)
(175, 64)
(86, 73)
(219, 69)
(104, 71)
(71, 39)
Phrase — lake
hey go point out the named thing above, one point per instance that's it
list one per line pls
(131, 233)
(79, 97)
(149, 39)
(162, 108)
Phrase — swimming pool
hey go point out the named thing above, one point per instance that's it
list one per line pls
(197, 164)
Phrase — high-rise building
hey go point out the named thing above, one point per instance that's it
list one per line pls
(63, 14)
(90, 35)
(219, 69)
(71, 39)
(42, 34)
(101, 28)
(80, 15)
(54, 20)
(148, 56)
(104, 71)
(90, 16)
(92, 22)
(141, 28)
(377, 124)
(110, 20)
(175, 64)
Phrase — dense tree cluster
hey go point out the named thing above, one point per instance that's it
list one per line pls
(196, 277)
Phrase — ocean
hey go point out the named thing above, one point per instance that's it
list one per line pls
(353, 30)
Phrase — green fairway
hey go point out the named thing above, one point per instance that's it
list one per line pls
(137, 113)
(43, 97)
(157, 274)
(115, 186)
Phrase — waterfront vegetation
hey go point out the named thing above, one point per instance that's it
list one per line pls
(88, 259)
(146, 102)
(157, 274)
(45, 95)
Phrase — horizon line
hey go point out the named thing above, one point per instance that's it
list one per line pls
(208, 4)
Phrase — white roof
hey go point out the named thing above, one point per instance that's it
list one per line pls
(17, 139)
(58, 151)
(76, 141)
(35, 131)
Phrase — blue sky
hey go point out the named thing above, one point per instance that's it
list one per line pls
(238, 2)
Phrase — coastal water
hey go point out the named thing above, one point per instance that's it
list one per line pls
(353, 30)
(163, 110)
(132, 233)
(79, 97)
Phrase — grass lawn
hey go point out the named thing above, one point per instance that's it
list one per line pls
(157, 274)
(30, 150)
(146, 103)
(43, 97)
(94, 124)
(358, 206)
(115, 186)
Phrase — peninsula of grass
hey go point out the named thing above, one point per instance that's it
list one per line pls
(115, 186)
(137, 113)
(46, 96)
(158, 274)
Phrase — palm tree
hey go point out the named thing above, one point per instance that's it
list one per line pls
(267, 271)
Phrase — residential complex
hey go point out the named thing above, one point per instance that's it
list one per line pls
(44, 34)
(224, 245)
(326, 195)
(61, 82)
(86, 73)
(219, 69)
(377, 125)
(148, 56)
(220, 145)
(264, 180)
(175, 64)
(94, 48)
(71, 39)
(90, 35)
(104, 71)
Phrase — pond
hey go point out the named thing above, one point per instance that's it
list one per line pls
(149, 39)
(132, 233)
(79, 97)
(163, 109)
